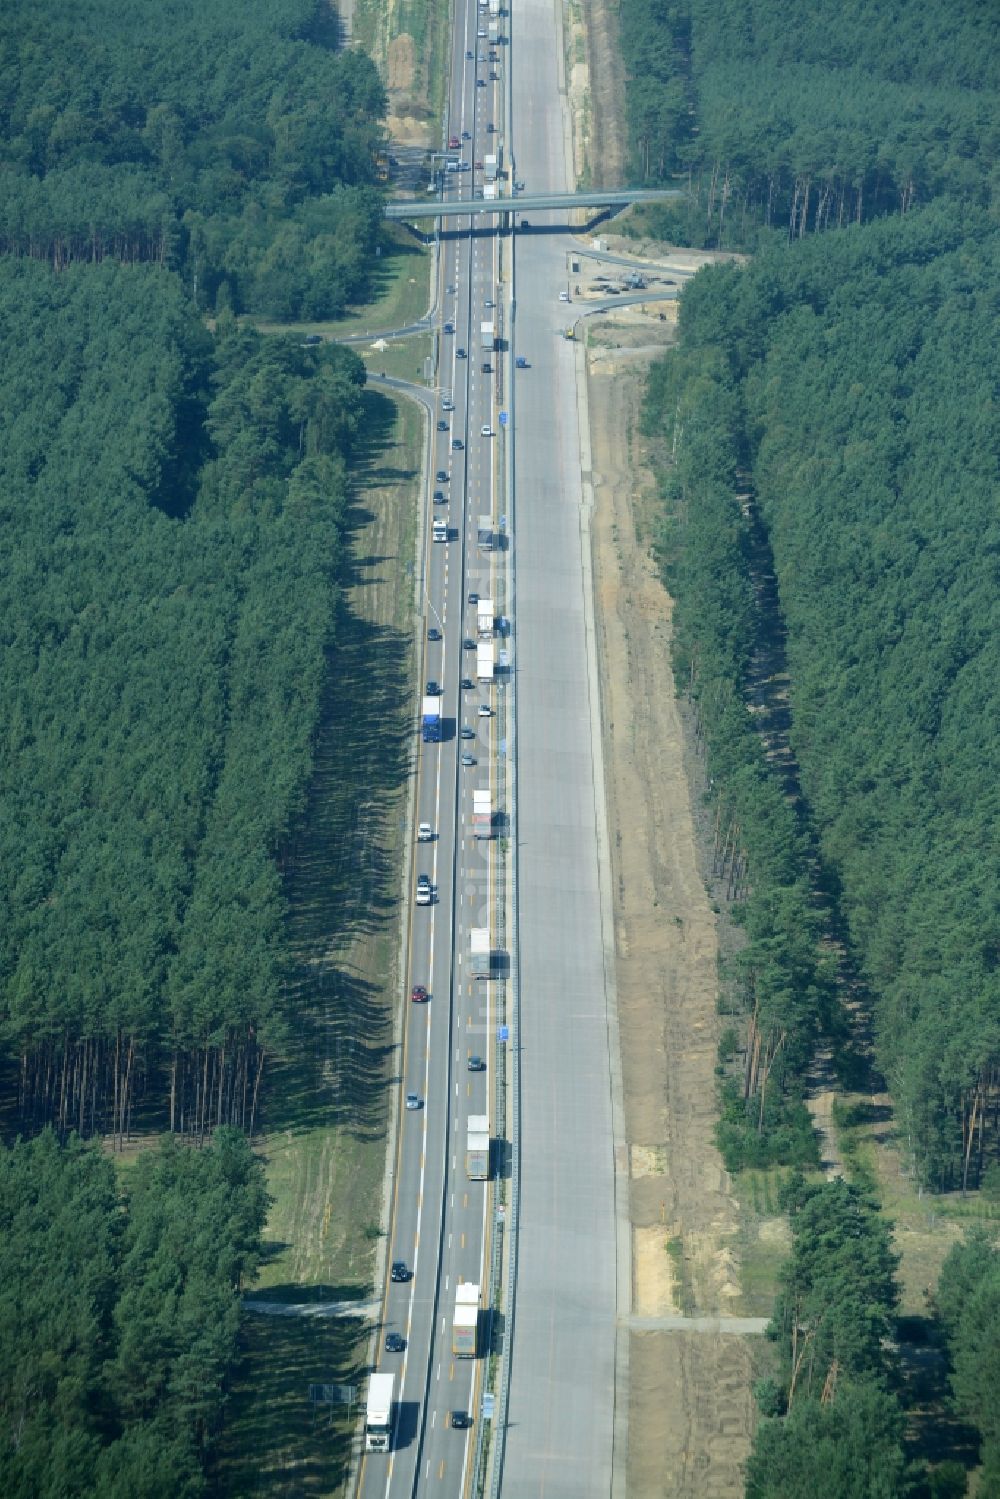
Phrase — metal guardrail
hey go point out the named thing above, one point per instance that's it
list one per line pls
(512, 1055)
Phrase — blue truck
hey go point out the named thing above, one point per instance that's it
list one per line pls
(430, 720)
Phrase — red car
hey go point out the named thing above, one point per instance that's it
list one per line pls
(454, 144)
(418, 994)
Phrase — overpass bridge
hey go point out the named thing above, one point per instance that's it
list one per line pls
(453, 208)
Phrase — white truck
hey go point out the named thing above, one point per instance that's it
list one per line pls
(494, 33)
(490, 165)
(495, 9)
(480, 952)
(485, 617)
(477, 1150)
(490, 194)
(482, 814)
(378, 1413)
(465, 1327)
(487, 336)
(484, 661)
(439, 529)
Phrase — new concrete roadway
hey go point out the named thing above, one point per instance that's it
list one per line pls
(559, 1440)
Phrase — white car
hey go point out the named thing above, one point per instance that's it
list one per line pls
(424, 832)
(486, 430)
(413, 1100)
(564, 296)
(485, 711)
(424, 891)
(447, 405)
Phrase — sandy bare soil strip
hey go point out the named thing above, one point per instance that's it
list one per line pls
(692, 1404)
(691, 1409)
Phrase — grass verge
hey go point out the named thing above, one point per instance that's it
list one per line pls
(405, 358)
(401, 278)
(328, 1100)
(414, 33)
(925, 1225)
(764, 1239)
(279, 1443)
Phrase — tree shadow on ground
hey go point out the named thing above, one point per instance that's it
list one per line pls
(935, 1433)
(342, 866)
(276, 1442)
(846, 1012)
(294, 1293)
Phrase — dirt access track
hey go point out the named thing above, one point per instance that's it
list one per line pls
(690, 1406)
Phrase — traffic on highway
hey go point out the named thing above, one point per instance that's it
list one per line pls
(497, 913)
(423, 1403)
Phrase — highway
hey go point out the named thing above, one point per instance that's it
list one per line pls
(439, 1217)
(562, 1405)
(561, 1414)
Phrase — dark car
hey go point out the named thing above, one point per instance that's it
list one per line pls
(459, 353)
(457, 444)
(432, 690)
(399, 1271)
(418, 994)
(494, 76)
(467, 684)
(394, 1343)
(466, 135)
(487, 367)
(520, 363)
(476, 1064)
(473, 598)
(467, 733)
(468, 644)
(449, 327)
(480, 83)
(442, 426)
(461, 1420)
(468, 55)
(441, 477)
(525, 223)
(491, 129)
(433, 633)
(439, 498)
(313, 338)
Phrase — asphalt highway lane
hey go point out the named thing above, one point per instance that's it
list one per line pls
(439, 1217)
